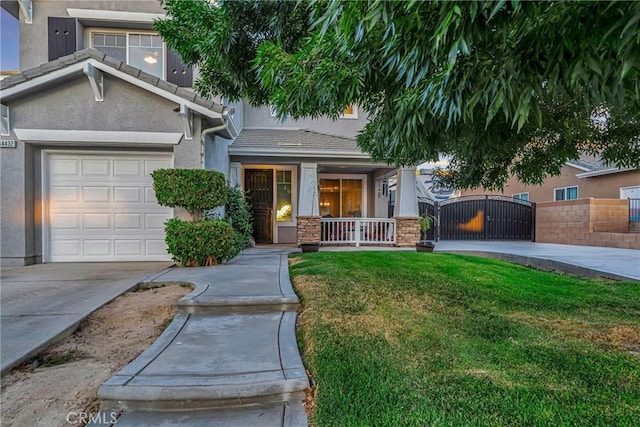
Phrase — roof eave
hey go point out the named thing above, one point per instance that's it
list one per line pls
(66, 70)
(296, 153)
(600, 172)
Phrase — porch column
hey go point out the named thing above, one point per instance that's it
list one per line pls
(235, 179)
(405, 210)
(308, 230)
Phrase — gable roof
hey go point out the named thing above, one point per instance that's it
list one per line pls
(294, 142)
(50, 73)
(592, 166)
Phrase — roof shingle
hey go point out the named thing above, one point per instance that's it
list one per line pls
(293, 140)
(95, 54)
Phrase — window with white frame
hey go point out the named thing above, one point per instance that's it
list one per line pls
(351, 112)
(342, 197)
(566, 193)
(521, 196)
(141, 50)
(284, 203)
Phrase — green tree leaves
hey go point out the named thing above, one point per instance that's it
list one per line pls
(500, 87)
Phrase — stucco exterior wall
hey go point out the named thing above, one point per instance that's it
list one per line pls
(604, 186)
(13, 219)
(260, 118)
(72, 106)
(590, 222)
(34, 48)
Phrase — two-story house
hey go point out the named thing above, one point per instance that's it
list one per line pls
(100, 102)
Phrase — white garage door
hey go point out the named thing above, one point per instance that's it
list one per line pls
(102, 207)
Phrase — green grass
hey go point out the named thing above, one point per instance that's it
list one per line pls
(401, 339)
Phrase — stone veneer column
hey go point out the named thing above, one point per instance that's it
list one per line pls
(406, 208)
(308, 229)
(308, 205)
(407, 231)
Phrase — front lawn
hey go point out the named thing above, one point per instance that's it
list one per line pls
(404, 338)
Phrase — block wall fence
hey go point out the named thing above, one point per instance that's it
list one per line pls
(589, 222)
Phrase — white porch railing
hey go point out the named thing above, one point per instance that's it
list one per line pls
(358, 231)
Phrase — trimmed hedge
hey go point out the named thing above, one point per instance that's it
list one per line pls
(199, 243)
(192, 189)
(238, 215)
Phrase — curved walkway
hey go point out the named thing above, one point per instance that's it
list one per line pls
(229, 357)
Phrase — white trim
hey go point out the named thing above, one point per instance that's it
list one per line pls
(294, 194)
(187, 121)
(26, 7)
(630, 187)
(96, 80)
(40, 80)
(565, 193)
(274, 152)
(154, 89)
(98, 136)
(79, 66)
(606, 171)
(115, 15)
(44, 181)
(352, 116)
(573, 165)
(365, 188)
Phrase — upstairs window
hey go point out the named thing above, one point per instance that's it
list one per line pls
(141, 50)
(521, 196)
(9, 42)
(566, 193)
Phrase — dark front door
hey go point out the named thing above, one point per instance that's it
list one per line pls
(258, 184)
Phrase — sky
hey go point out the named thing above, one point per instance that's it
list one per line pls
(9, 42)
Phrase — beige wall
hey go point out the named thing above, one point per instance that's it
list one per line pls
(604, 186)
(590, 222)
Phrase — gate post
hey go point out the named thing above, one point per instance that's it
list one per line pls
(485, 216)
(436, 213)
(533, 222)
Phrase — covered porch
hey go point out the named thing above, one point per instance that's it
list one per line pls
(303, 186)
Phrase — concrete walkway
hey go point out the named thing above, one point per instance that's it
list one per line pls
(229, 357)
(591, 261)
(43, 303)
(621, 264)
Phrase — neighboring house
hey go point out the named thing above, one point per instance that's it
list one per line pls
(578, 180)
(100, 102)
(430, 189)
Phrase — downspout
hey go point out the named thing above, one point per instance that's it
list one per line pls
(219, 211)
(205, 132)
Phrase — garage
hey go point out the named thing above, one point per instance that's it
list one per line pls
(102, 207)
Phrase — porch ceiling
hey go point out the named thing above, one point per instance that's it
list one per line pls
(359, 169)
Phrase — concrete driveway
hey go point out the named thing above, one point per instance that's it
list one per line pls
(45, 302)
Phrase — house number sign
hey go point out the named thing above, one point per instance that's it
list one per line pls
(8, 143)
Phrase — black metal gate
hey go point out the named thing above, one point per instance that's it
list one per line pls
(258, 184)
(491, 217)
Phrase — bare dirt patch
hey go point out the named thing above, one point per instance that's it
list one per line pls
(65, 378)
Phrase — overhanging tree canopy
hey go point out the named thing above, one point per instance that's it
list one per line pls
(500, 87)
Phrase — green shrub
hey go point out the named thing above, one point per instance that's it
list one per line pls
(193, 189)
(238, 215)
(199, 243)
